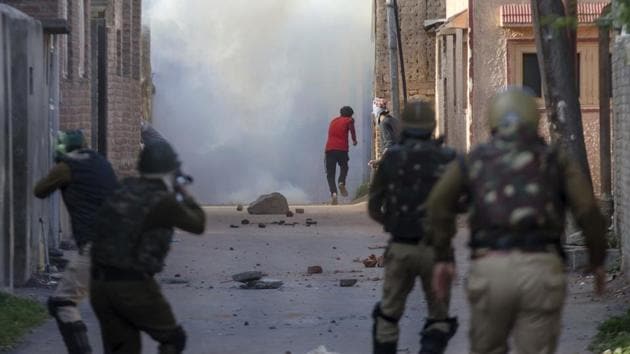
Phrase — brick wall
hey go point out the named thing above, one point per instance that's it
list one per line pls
(418, 46)
(124, 96)
(621, 144)
(74, 101)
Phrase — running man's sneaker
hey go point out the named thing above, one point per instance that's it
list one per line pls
(333, 199)
(342, 189)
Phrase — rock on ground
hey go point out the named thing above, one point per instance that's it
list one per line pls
(245, 277)
(268, 204)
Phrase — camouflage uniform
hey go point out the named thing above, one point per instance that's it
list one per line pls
(399, 189)
(135, 228)
(518, 189)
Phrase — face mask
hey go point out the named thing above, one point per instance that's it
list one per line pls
(376, 110)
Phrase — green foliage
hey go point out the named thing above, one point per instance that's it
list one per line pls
(362, 190)
(560, 22)
(17, 315)
(623, 14)
(614, 333)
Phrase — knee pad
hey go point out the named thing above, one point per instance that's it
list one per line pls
(377, 313)
(175, 339)
(54, 304)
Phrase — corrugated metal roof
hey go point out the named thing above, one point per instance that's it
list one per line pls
(521, 14)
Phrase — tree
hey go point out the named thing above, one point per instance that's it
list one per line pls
(553, 31)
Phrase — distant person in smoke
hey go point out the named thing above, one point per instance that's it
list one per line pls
(387, 128)
(337, 151)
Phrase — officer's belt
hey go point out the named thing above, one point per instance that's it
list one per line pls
(407, 241)
(527, 241)
(105, 273)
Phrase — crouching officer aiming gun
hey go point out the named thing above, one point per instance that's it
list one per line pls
(85, 179)
(405, 176)
(135, 229)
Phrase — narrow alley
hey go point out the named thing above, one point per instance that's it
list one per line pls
(308, 310)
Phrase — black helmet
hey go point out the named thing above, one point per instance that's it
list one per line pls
(158, 157)
(346, 111)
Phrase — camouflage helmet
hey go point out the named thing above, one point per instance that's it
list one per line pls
(158, 158)
(513, 109)
(418, 115)
(69, 140)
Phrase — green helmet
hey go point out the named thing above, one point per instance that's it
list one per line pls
(69, 140)
(511, 110)
(418, 115)
(157, 158)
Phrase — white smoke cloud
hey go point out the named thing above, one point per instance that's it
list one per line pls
(245, 90)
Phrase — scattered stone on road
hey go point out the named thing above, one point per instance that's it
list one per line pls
(314, 270)
(244, 222)
(344, 283)
(262, 226)
(234, 226)
(239, 207)
(299, 210)
(373, 261)
(310, 222)
(245, 277)
(176, 280)
(370, 262)
(268, 204)
(262, 284)
(376, 247)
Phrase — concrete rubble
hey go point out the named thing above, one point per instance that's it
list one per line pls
(245, 277)
(255, 280)
(269, 204)
(262, 284)
(239, 207)
(345, 283)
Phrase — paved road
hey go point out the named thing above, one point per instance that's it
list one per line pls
(308, 311)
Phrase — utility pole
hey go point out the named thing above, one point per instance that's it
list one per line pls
(604, 117)
(392, 39)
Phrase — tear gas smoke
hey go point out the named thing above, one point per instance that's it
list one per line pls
(245, 91)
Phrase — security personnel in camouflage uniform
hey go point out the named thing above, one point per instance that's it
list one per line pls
(518, 189)
(135, 228)
(85, 179)
(401, 184)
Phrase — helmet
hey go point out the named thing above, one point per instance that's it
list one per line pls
(513, 109)
(418, 115)
(346, 111)
(69, 140)
(158, 157)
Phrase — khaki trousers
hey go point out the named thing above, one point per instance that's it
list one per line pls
(403, 264)
(74, 285)
(518, 294)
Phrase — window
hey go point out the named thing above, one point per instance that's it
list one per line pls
(81, 37)
(531, 74)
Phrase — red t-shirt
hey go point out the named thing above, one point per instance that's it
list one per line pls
(338, 133)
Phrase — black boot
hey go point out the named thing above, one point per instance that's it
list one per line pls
(385, 348)
(434, 341)
(74, 334)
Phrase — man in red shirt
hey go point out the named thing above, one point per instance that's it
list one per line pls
(337, 151)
